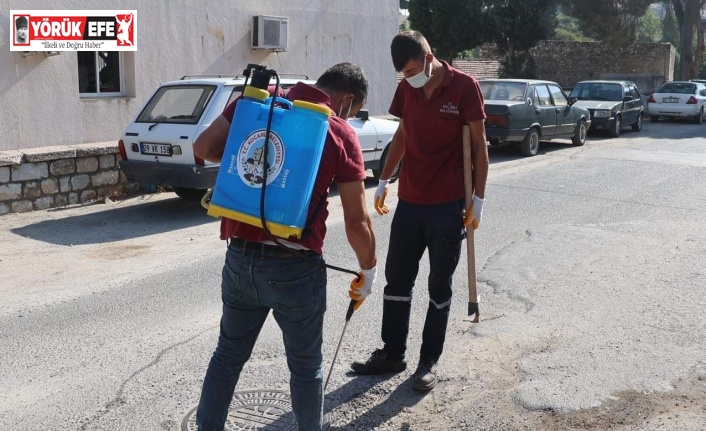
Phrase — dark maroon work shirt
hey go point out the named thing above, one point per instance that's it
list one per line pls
(432, 172)
(341, 161)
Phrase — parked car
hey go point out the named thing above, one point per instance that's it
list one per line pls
(612, 104)
(678, 99)
(156, 146)
(527, 111)
(700, 81)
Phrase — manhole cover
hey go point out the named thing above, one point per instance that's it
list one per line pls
(266, 410)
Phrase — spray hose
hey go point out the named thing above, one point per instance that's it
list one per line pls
(270, 236)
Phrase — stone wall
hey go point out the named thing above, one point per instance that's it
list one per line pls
(647, 64)
(49, 177)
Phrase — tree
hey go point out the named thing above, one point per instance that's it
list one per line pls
(515, 40)
(450, 26)
(650, 28)
(454, 26)
(688, 17)
(569, 28)
(615, 22)
(670, 27)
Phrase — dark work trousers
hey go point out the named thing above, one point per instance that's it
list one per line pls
(415, 228)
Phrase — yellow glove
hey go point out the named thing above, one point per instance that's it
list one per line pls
(362, 286)
(380, 195)
(474, 213)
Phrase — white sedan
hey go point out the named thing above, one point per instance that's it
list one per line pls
(678, 99)
(156, 147)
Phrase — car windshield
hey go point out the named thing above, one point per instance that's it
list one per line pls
(677, 88)
(503, 90)
(177, 104)
(597, 91)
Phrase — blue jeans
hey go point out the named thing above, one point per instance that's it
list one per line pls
(414, 229)
(257, 279)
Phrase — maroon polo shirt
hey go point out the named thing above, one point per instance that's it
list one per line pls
(432, 172)
(341, 161)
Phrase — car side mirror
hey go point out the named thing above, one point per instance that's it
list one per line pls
(363, 115)
(573, 100)
(627, 99)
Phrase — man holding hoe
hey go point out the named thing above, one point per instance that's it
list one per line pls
(433, 102)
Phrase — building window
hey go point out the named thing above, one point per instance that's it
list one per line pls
(100, 73)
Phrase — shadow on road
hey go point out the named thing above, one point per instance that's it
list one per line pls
(117, 224)
(511, 150)
(401, 398)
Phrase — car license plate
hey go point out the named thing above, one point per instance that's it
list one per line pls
(156, 149)
(670, 100)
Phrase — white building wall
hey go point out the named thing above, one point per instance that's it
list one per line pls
(39, 100)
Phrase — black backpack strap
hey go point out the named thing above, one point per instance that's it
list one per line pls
(306, 232)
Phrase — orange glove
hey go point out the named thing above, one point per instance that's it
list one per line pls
(362, 286)
(380, 195)
(474, 213)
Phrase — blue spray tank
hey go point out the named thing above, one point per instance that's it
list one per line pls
(297, 132)
(286, 168)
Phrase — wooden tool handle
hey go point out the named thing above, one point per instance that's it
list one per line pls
(473, 314)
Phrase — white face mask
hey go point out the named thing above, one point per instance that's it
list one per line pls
(420, 80)
(340, 110)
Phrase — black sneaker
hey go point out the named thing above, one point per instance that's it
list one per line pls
(425, 377)
(379, 363)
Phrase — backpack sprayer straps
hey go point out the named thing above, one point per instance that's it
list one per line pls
(261, 80)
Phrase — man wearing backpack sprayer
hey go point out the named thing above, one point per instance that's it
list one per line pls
(259, 277)
(433, 102)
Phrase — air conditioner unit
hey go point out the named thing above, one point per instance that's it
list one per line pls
(269, 32)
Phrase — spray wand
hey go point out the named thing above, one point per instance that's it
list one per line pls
(261, 79)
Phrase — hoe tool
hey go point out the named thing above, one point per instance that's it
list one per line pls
(473, 313)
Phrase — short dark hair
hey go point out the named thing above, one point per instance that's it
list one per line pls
(406, 46)
(345, 78)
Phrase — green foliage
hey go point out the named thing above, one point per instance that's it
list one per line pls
(450, 26)
(519, 24)
(470, 54)
(569, 28)
(670, 27)
(650, 28)
(615, 22)
(691, 41)
(454, 26)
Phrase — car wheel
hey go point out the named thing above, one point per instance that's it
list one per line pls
(654, 118)
(637, 125)
(530, 145)
(615, 130)
(189, 194)
(699, 117)
(377, 172)
(580, 137)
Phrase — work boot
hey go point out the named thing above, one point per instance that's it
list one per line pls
(425, 377)
(379, 363)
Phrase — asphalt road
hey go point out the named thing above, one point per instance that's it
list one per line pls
(592, 265)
